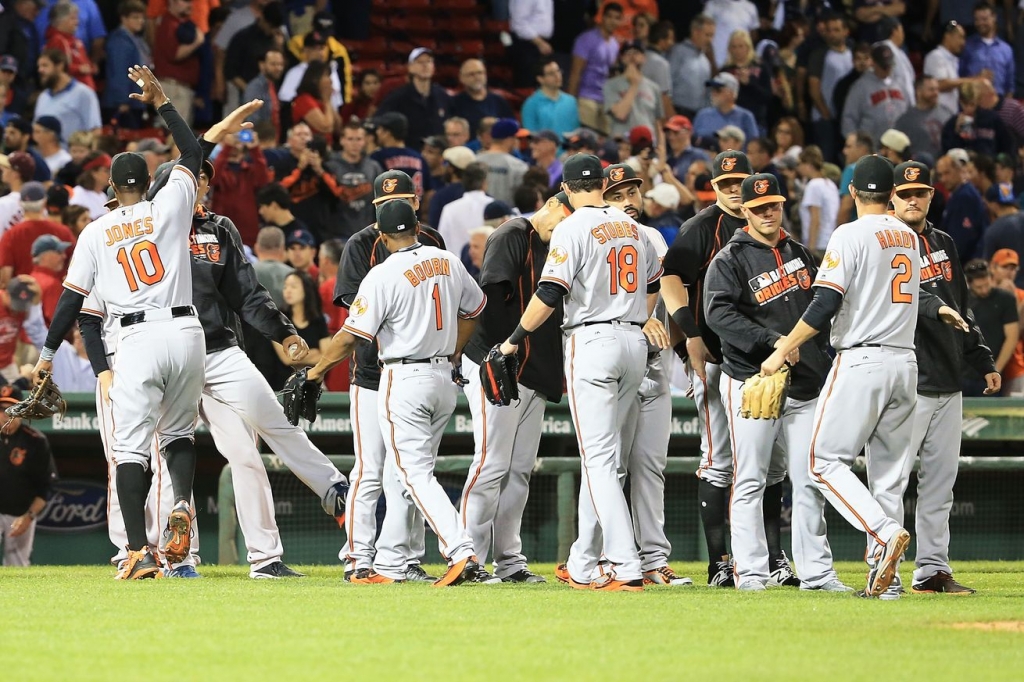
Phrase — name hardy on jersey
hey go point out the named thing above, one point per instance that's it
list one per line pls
(896, 239)
(770, 285)
(936, 265)
(140, 227)
(615, 230)
(432, 267)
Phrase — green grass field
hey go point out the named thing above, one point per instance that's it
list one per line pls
(76, 623)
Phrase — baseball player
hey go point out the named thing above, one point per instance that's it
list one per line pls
(686, 264)
(941, 352)
(869, 283)
(757, 287)
(605, 270)
(507, 438)
(137, 259)
(400, 547)
(420, 305)
(648, 425)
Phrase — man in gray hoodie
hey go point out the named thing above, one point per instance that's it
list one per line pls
(876, 100)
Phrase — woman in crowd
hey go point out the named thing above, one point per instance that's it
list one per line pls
(754, 76)
(789, 136)
(364, 105)
(75, 217)
(91, 190)
(820, 202)
(302, 306)
(312, 103)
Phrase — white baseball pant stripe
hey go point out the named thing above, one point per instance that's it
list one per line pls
(762, 450)
(401, 540)
(415, 403)
(498, 485)
(715, 453)
(937, 433)
(17, 550)
(604, 366)
(868, 402)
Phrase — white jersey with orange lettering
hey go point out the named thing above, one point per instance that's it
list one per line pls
(411, 304)
(603, 259)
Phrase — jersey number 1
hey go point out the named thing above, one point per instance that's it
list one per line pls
(902, 265)
(135, 267)
(436, 295)
(622, 266)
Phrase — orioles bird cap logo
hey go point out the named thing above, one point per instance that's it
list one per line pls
(728, 163)
(358, 306)
(557, 256)
(617, 174)
(389, 185)
(911, 174)
(761, 186)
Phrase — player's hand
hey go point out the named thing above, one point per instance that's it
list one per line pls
(20, 525)
(105, 378)
(698, 355)
(33, 286)
(152, 91)
(794, 355)
(774, 363)
(953, 319)
(656, 333)
(508, 348)
(296, 347)
(233, 122)
(41, 366)
(993, 383)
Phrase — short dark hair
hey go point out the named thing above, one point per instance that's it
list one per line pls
(526, 198)
(352, 124)
(766, 144)
(613, 7)
(887, 26)
(976, 268)
(984, 5)
(130, 7)
(274, 193)
(873, 197)
(310, 83)
(595, 185)
(265, 53)
(919, 81)
(474, 176)
(331, 250)
(862, 48)
(864, 139)
(542, 64)
(660, 31)
(56, 56)
(699, 22)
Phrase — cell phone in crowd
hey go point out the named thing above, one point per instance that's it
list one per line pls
(245, 136)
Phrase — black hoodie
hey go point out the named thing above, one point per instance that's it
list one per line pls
(753, 295)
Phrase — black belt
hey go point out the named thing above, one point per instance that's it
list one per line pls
(414, 361)
(590, 324)
(177, 311)
(869, 345)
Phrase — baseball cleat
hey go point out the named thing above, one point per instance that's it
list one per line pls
(834, 585)
(941, 583)
(720, 573)
(415, 574)
(178, 533)
(140, 565)
(562, 574)
(609, 583)
(664, 575)
(348, 575)
(183, 571)
(459, 572)
(751, 586)
(482, 576)
(368, 576)
(523, 575)
(889, 561)
(334, 502)
(782, 573)
(274, 571)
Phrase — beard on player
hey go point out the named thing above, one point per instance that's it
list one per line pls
(626, 198)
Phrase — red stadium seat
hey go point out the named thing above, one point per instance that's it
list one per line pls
(379, 21)
(494, 50)
(456, 4)
(410, 24)
(493, 27)
(464, 26)
(462, 49)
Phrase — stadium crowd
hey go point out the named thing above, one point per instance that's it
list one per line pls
(355, 88)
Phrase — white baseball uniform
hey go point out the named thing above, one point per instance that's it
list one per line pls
(605, 263)
(411, 304)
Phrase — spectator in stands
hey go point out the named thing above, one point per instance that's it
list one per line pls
(60, 35)
(315, 191)
(75, 218)
(17, 135)
(57, 199)
(976, 128)
(678, 132)
(238, 19)
(529, 198)
(271, 266)
(91, 190)
(364, 105)
(392, 132)
(996, 314)
(476, 101)
(74, 105)
(424, 104)
(302, 306)
(275, 208)
(1004, 266)
(656, 67)
(456, 160)
(861, 65)
(495, 213)
(730, 16)
(691, 68)
(334, 53)
(876, 101)
(544, 148)
(966, 216)
(895, 146)
(284, 160)
(312, 103)
(91, 29)
(532, 24)
(473, 254)
(1009, 110)
(433, 146)
(549, 107)
(661, 207)
(1007, 230)
(16, 243)
(80, 145)
(760, 152)
(21, 317)
(15, 170)
(154, 151)
(869, 14)
(631, 99)
(301, 246)
(466, 213)
(126, 46)
(49, 258)
(201, 11)
(504, 171)
(315, 49)
(177, 61)
(820, 202)
(723, 111)
(456, 132)
(593, 55)
(264, 87)
(754, 77)
(241, 63)
(891, 30)
(731, 138)
(923, 122)
(986, 54)
(72, 370)
(239, 171)
(828, 64)
(330, 256)
(354, 173)
(943, 64)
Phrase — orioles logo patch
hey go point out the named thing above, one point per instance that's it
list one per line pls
(728, 163)
(803, 278)
(616, 175)
(18, 456)
(389, 185)
(912, 174)
(830, 261)
(947, 271)
(557, 256)
(358, 306)
(761, 186)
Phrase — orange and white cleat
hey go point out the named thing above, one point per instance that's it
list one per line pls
(178, 534)
(562, 574)
(139, 565)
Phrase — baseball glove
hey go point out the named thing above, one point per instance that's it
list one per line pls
(764, 396)
(45, 400)
(499, 377)
(300, 397)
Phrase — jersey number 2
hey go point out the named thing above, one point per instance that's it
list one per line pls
(622, 264)
(902, 265)
(135, 267)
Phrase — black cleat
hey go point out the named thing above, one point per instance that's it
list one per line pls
(415, 574)
(523, 575)
(274, 571)
(782, 573)
(941, 583)
(720, 573)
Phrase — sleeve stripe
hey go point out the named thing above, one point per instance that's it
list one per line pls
(661, 271)
(194, 182)
(356, 332)
(549, 278)
(475, 313)
(90, 311)
(69, 285)
(830, 285)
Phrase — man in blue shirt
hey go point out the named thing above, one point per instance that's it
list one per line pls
(91, 30)
(72, 103)
(549, 108)
(476, 101)
(1007, 230)
(723, 112)
(678, 133)
(966, 215)
(986, 51)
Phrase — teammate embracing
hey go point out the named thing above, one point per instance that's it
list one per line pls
(757, 288)
(941, 353)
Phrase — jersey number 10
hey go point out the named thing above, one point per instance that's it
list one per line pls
(135, 267)
(622, 266)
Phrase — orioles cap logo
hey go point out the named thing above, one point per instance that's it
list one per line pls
(728, 163)
(912, 174)
(803, 279)
(617, 174)
(761, 186)
(557, 256)
(358, 306)
(389, 185)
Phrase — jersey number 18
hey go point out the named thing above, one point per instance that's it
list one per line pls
(622, 265)
(136, 268)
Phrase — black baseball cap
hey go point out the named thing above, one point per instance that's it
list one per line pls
(129, 169)
(731, 164)
(621, 174)
(396, 217)
(873, 174)
(10, 395)
(393, 184)
(563, 199)
(759, 189)
(911, 175)
(582, 167)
